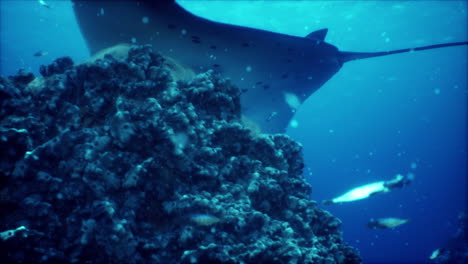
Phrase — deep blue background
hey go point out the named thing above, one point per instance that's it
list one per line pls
(375, 118)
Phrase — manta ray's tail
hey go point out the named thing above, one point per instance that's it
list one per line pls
(349, 56)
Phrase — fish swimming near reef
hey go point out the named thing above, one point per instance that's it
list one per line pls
(384, 223)
(436, 253)
(367, 190)
(204, 219)
(276, 72)
(41, 53)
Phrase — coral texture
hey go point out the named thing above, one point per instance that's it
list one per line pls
(116, 162)
(455, 251)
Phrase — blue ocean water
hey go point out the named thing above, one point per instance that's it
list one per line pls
(375, 118)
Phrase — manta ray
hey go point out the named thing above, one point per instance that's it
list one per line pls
(275, 72)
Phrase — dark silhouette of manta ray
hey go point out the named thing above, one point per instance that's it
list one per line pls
(275, 72)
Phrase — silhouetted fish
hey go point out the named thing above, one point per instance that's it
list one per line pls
(41, 53)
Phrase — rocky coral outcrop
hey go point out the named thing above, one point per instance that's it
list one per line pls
(109, 162)
(455, 251)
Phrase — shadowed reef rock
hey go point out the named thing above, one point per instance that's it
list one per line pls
(455, 250)
(110, 161)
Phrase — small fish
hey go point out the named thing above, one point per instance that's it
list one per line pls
(204, 219)
(5, 235)
(272, 115)
(359, 193)
(41, 53)
(384, 223)
(436, 253)
(368, 190)
(43, 3)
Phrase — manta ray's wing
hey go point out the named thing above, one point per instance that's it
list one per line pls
(107, 23)
(275, 72)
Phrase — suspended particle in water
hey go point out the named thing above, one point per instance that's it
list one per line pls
(294, 123)
(145, 20)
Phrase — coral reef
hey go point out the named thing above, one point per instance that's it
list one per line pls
(456, 248)
(114, 161)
